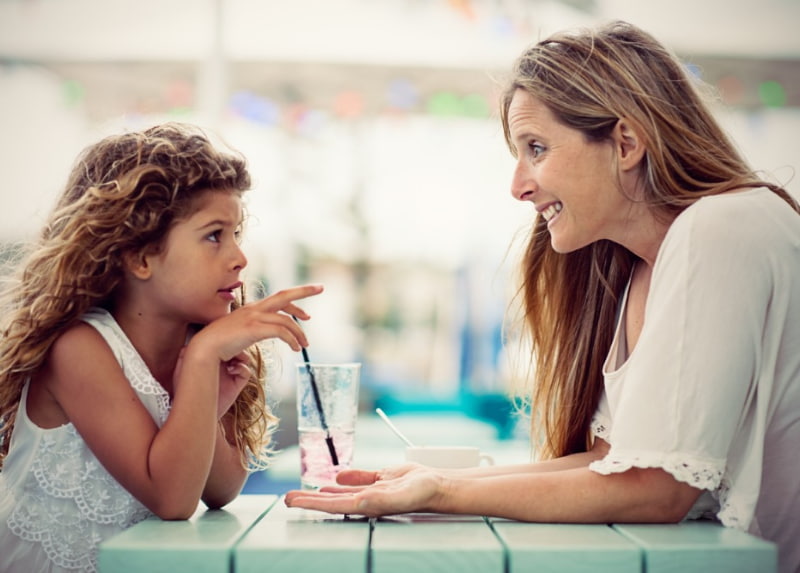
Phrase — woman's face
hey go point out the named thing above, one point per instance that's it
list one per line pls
(572, 182)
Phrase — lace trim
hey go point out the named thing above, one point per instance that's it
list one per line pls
(600, 426)
(70, 503)
(729, 514)
(139, 376)
(697, 472)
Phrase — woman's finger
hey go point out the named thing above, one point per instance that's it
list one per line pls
(356, 477)
(328, 502)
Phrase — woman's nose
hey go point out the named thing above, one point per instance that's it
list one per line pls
(522, 184)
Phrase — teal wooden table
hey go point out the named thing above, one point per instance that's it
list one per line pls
(258, 533)
(202, 544)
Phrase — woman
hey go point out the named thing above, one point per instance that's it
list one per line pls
(662, 294)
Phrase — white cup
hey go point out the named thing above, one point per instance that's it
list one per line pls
(448, 456)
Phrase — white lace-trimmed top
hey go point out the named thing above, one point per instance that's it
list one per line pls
(57, 503)
(711, 392)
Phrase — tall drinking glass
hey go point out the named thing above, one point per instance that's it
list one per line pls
(327, 408)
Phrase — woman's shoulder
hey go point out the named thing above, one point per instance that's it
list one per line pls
(743, 218)
(739, 235)
(743, 205)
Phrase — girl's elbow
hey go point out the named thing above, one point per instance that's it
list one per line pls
(176, 510)
(219, 500)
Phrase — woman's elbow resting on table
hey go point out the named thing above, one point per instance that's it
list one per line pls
(650, 495)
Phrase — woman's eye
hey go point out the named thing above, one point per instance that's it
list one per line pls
(536, 149)
(215, 236)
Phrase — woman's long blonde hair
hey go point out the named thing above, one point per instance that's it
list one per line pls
(589, 80)
(122, 197)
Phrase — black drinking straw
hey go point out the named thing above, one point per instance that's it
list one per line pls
(318, 402)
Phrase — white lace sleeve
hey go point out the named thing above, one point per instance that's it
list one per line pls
(601, 421)
(697, 472)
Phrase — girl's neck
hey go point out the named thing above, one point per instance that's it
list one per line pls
(158, 341)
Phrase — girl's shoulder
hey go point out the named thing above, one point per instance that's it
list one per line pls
(75, 357)
(78, 338)
(81, 347)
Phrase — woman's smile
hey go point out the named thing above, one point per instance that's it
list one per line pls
(551, 211)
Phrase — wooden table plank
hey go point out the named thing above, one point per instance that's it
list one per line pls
(202, 544)
(292, 540)
(701, 547)
(567, 548)
(426, 543)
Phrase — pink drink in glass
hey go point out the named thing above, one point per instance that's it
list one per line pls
(316, 467)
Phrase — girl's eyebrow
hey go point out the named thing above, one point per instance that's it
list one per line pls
(219, 222)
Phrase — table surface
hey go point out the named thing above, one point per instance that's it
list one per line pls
(258, 533)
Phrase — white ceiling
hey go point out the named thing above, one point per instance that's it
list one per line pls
(435, 33)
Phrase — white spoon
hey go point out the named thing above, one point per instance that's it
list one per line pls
(386, 419)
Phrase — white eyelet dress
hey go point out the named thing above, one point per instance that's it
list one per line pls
(57, 503)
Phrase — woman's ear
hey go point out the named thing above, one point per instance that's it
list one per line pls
(138, 265)
(629, 144)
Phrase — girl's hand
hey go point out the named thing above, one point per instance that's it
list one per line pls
(233, 375)
(400, 489)
(270, 317)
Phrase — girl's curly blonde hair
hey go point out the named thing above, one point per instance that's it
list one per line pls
(122, 197)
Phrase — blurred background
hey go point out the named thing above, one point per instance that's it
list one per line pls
(377, 157)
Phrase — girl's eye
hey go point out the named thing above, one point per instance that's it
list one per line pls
(215, 236)
(237, 234)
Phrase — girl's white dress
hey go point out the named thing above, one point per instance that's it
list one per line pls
(57, 503)
(711, 392)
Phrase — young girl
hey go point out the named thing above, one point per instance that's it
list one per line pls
(131, 382)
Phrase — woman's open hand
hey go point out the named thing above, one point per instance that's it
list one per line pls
(399, 489)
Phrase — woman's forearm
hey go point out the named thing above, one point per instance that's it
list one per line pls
(582, 459)
(576, 495)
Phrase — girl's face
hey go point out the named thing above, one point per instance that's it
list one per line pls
(573, 183)
(197, 272)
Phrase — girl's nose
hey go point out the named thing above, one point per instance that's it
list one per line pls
(239, 260)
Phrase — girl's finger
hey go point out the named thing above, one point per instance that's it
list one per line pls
(284, 298)
(296, 312)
